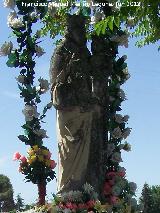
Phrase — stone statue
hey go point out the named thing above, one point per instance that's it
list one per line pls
(71, 95)
(78, 91)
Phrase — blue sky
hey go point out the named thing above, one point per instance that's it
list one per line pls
(143, 93)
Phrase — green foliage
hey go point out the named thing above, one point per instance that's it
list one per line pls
(19, 203)
(150, 199)
(146, 20)
(107, 24)
(6, 193)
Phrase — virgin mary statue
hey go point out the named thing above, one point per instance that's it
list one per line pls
(71, 95)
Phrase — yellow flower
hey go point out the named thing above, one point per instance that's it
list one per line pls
(30, 152)
(31, 159)
(48, 163)
(45, 152)
(40, 158)
(35, 148)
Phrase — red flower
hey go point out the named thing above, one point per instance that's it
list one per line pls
(122, 173)
(71, 206)
(111, 174)
(107, 189)
(23, 159)
(90, 204)
(16, 156)
(53, 164)
(82, 206)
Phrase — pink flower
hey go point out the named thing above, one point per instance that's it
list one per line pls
(107, 189)
(71, 205)
(122, 173)
(53, 164)
(111, 174)
(114, 199)
(16, 156)
(82, 206)
(23, 159)
(91, 204)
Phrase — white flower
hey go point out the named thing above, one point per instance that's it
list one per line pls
(39, 51)
(33, 15)
(127, 75)
(52, 9)
(9, 4)
(16, 23)
(117, 133)
(6, 48)
(122, 94)
(125, 118)
(12, 15)
(127, 147)
(125, 71)
(116, 157)
(21, 79)
(126, 133)
(132, 186)
(119, 118)
(44, 85)
(130, 22)
(88, 188)
(41, 133)
(121, 40)
(13, 21)
(30, 112)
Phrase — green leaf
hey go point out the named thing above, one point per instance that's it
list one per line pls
(104, 26)
(110, 22)
(23, 138)
(17, 33)
(117, 21)
(26, 132)
(20, 87)
(12, 59)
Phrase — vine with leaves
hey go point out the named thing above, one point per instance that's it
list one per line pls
(38, 167)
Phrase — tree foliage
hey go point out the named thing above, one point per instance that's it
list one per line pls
(150, 199)
(6, 193)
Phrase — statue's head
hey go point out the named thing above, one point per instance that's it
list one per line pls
(75, 29)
